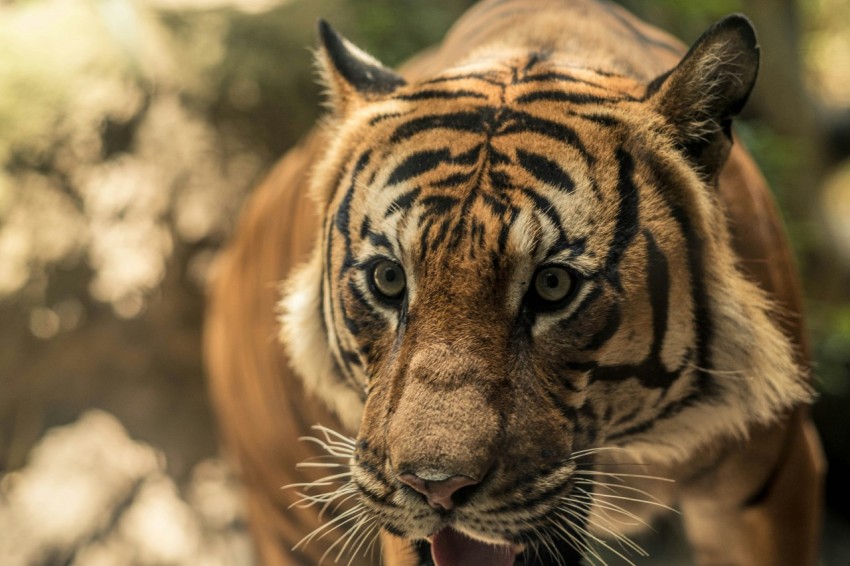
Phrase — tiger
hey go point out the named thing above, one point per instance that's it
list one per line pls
(535, 293)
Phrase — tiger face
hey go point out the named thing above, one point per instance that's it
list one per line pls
(523, 263)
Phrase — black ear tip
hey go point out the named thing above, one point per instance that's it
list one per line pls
(740, 25)
(327, 34)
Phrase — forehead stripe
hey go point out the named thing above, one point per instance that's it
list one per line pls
(561, 96)
(417, 164)
(522, 122)
(547, 208)
(433, 94)
(553, 77)
(459, 121)
(545, 170)
(403, 202)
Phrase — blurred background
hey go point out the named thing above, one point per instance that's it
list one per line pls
(130, 133)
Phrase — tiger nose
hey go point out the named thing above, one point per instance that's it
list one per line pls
(439, 492)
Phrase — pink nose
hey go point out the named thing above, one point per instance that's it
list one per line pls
(439, 493)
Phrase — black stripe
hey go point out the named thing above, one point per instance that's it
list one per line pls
(554, 76)
(432, 94)
(627, 216)
(351, 357)
(469, 157)
(365, 227)
(381, 117)
(528, 503)
(424, 233)
(499, 180)
(341, 222)
(440, 236)
(342, 218)
(669, 186)
(403, 202)
(561, 96)
(536, 58)
(577, 311)
(702, 313)
(496, 205)
(658, 284)
(475, 122)
(376, 498)
(439, 204)
(453, 180)
(476, 76)
(545, 170)
(601, 119)
(570, 414)
(380, 240)
(523, 122)
(418, 163)
(351, 324)
(634, 429)
(623, 419)
(651, 372)
(547, 208)
(612, 324)
(459, 231)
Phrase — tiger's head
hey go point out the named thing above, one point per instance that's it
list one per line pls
(523, 261)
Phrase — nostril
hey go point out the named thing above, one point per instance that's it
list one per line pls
(438, 492)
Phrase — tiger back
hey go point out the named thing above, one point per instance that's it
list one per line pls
(521, 269)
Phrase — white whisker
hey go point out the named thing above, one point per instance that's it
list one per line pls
(634, 499)
(601, 542)
(616, 486)
(582, 546)
(592, 451)
(364, 536)
(610, 506)
(620, 475)
(620, 537)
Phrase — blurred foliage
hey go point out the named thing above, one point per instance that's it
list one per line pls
(826, 47)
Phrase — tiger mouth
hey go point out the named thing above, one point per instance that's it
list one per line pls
(453, 548)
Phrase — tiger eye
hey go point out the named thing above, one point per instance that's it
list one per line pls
(389, 279)
(553, 284)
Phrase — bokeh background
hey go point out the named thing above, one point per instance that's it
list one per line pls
(130, 133)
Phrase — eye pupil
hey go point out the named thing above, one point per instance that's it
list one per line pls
(388, 279)
(552, 284)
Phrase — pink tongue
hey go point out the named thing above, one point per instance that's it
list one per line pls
(451, 548)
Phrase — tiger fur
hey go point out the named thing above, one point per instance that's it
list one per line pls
(544, 143)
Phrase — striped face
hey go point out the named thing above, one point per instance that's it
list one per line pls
(522, 263)
(501, 259)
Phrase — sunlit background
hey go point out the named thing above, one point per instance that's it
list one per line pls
(130, 133)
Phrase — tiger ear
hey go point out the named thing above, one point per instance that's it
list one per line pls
(708, 87)
(353, 76)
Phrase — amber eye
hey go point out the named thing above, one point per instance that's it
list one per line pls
(388, 278)
(553, 284)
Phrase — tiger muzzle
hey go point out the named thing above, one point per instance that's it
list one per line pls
(442, 439)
